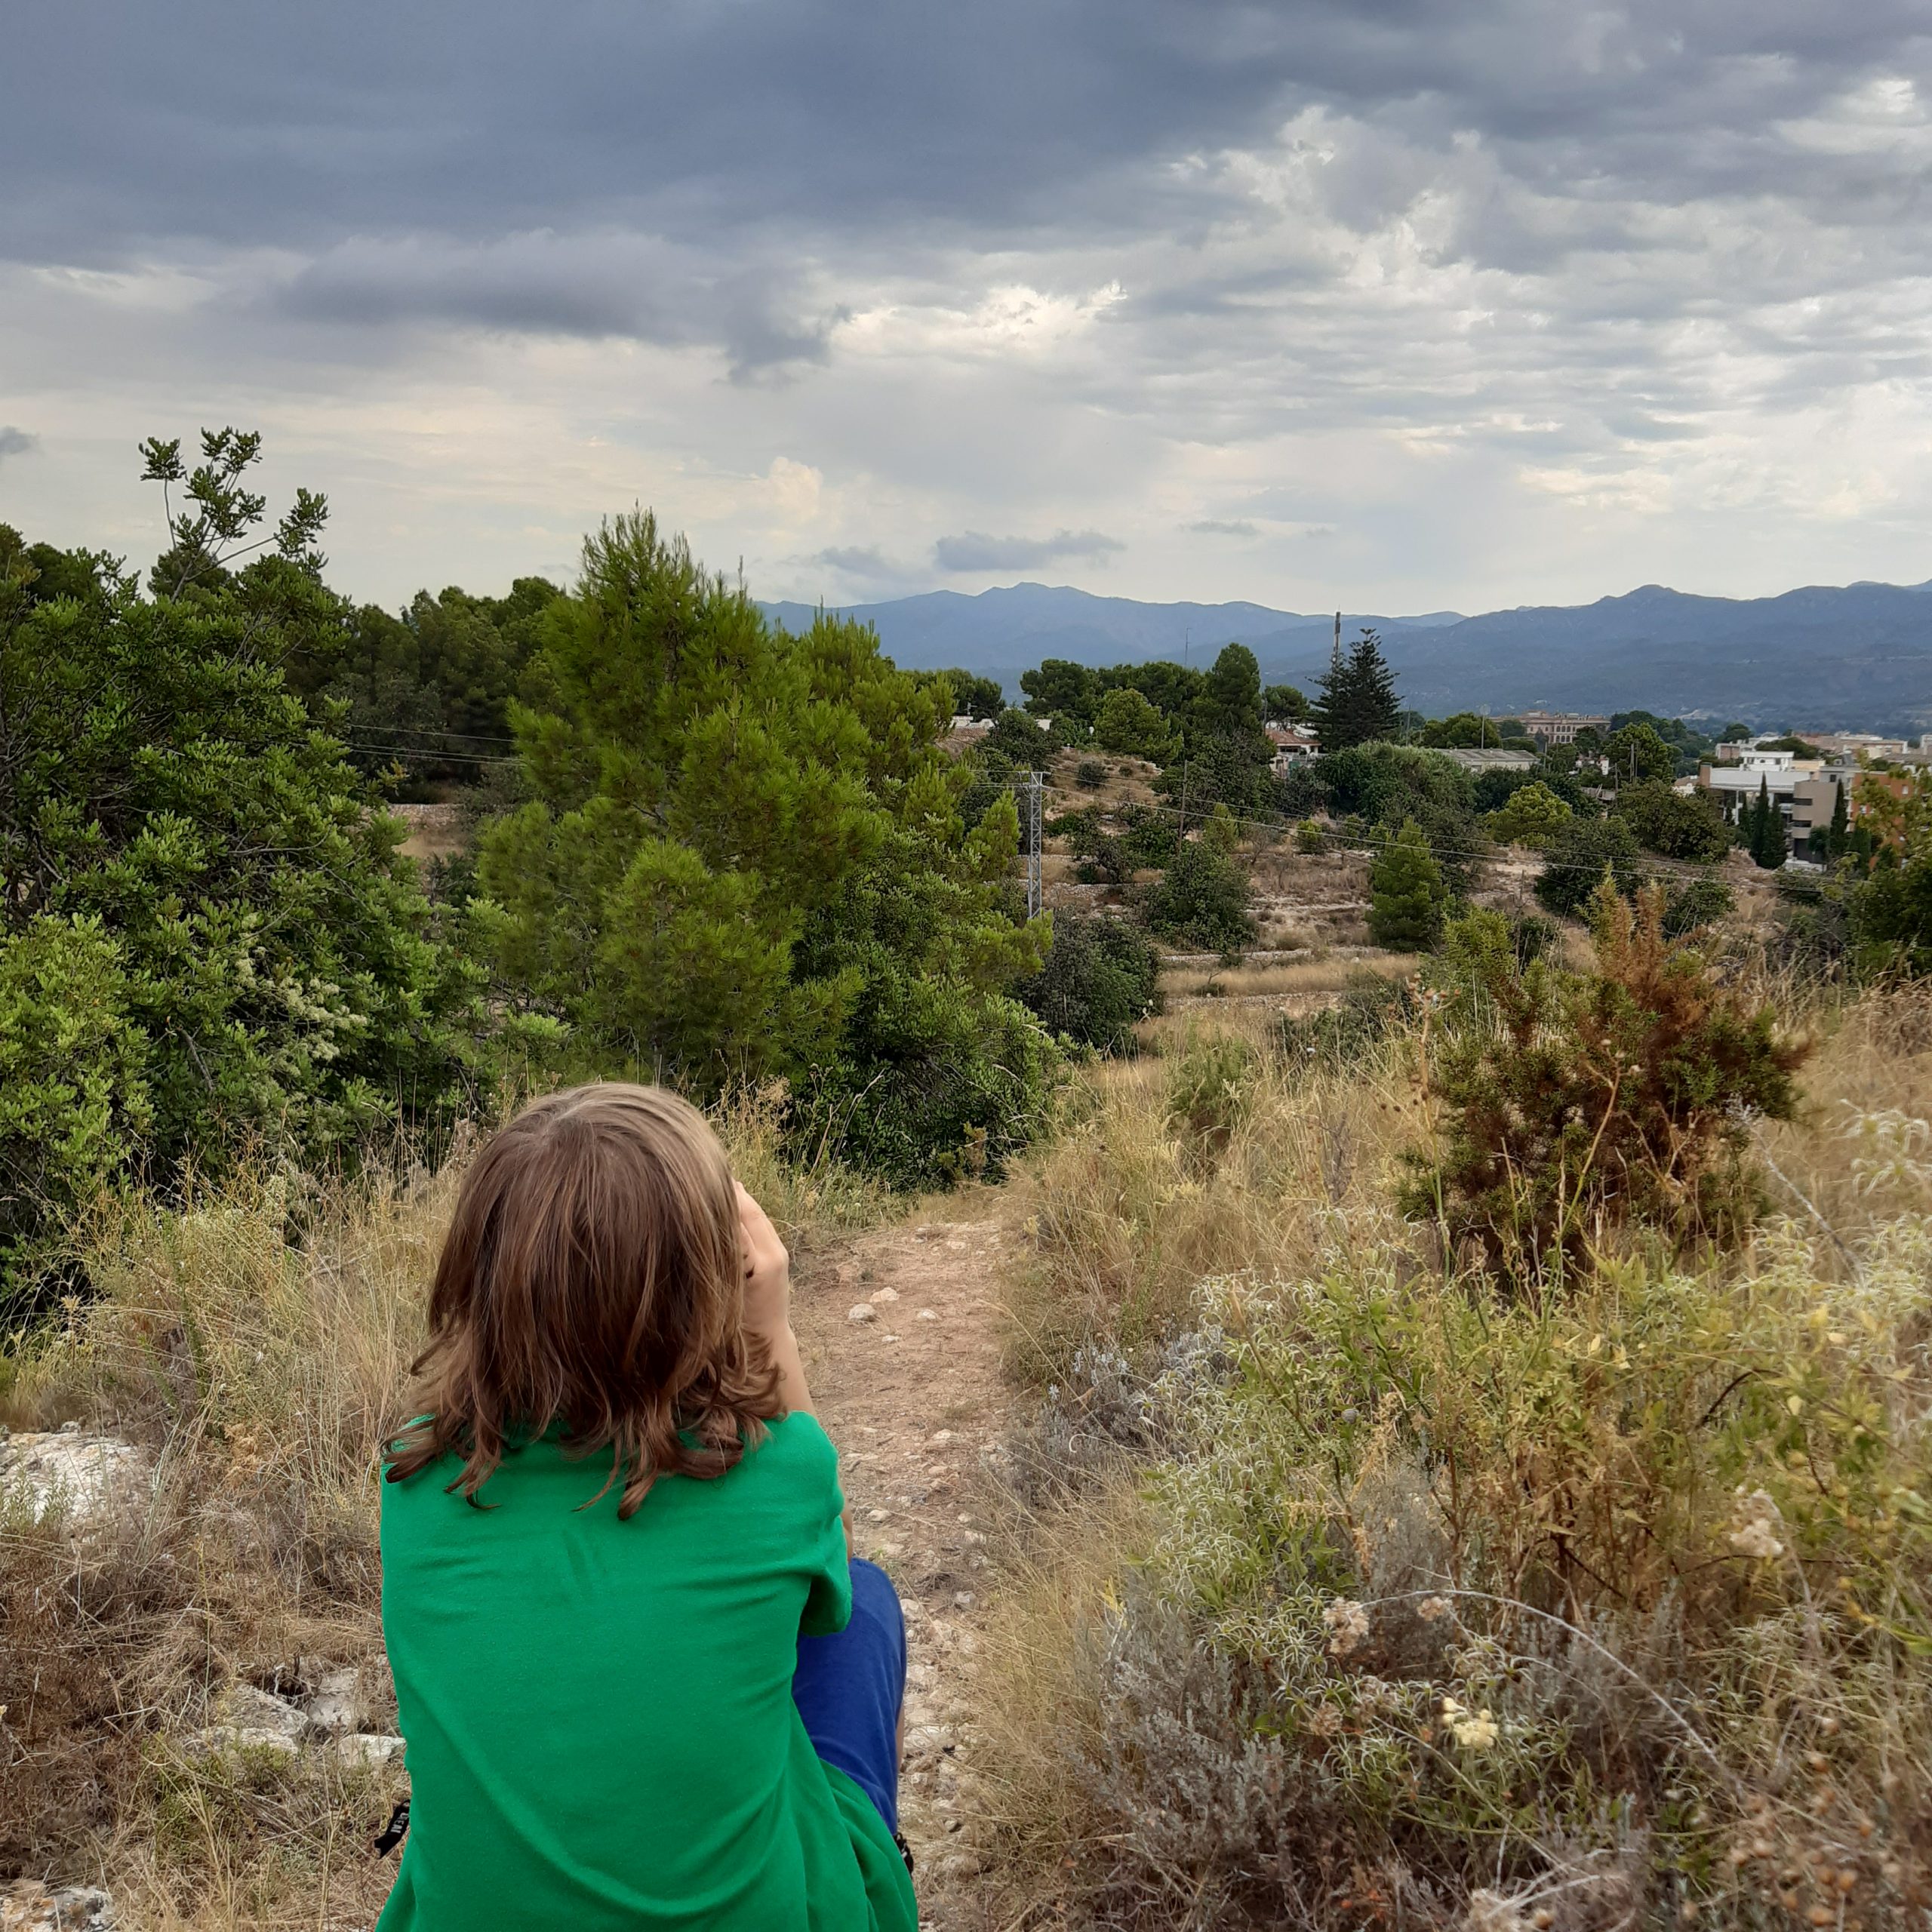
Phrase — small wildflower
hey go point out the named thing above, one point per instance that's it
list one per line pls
(1349, 1622)
(1753, 1536)
(1475, 1730)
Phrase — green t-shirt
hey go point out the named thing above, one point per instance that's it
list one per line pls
(599, 1717)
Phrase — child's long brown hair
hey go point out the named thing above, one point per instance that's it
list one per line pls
(592, 1276)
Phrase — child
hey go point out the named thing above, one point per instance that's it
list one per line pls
(614, 1562)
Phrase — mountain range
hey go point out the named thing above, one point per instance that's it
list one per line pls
(1858, 656)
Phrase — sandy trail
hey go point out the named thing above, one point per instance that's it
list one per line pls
(913, 1396)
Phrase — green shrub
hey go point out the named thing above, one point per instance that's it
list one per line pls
(1309, 837)
(1211, 1087)
(1333, 1039)
(1098, 982)
(1674, 825)
(1575, 1102)
(1090, 773)
(1616, 1604)
(1533, 815)
(1201, 900)
(1578, 856)
(1694, 904)
(1407, 897)
(207, 937)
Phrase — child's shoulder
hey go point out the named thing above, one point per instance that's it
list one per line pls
(796, 1440)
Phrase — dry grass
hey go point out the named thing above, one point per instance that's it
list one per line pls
(1288, 979)
(256, 1345)
(1129, 1206)
(1441, 1610)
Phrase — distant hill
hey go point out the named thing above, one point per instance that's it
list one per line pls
(1860, 656)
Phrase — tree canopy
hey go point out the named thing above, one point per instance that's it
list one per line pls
(744, 856)
(206, 937)
(1358, 704)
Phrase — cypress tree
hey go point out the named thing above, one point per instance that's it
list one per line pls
(1838, 838)
(1767, 835)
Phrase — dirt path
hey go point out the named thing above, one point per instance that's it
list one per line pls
(911, 1393)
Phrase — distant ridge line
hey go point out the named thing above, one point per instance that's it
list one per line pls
(1854, 656)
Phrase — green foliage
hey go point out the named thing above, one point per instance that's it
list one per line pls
(427, 694)
(1578, 857)
(743, 857)
(1309, 837)
(1838, 834)
(1577, 1102)
(1760, 829)
(206, 936)
(1890, 915)
(1463, 731)
(1200, 900)
(1098, 982)
(1386, 783)
(1693, 904)
(1636, 753)
(1333, 1039)
(1221, 831)
(1211, 1089)
(1283, 704)
(1358, 705)
(1407, 896)
(74, 1106)
(1090, 773)
(1024, 740)
(974, 696)
(1067, 694)
(1229, 704)
(1689, 745)
(1129, 726)
(1671, 824)
(1533, 815)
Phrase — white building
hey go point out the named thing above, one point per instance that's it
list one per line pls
(1780, 772)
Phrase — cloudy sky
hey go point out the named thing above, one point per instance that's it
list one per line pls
(1388, 303)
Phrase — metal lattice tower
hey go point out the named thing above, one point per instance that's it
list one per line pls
(1036, 786)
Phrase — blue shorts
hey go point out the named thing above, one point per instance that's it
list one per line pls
(849, 1688)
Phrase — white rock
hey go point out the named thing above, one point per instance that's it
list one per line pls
(862, 1311)
(928, 1740)
(243, 1707)
(367, 1750)
(940, 1438)
(927, 1315)
(27, 1906)
(882, 1294)
(73, 1473)
(962, 1599)
(335, 1705)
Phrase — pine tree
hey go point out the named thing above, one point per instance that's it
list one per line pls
(1408, 896)
(1358, 705)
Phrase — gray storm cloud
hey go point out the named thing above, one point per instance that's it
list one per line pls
(1455, 284)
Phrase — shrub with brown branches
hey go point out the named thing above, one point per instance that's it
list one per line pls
(1575, 1103)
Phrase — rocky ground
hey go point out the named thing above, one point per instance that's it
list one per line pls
(897, 1330)
(900, 1346)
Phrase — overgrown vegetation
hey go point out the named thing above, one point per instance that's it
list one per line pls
(1408, 1597)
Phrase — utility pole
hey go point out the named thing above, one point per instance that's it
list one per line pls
(1036, 784)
